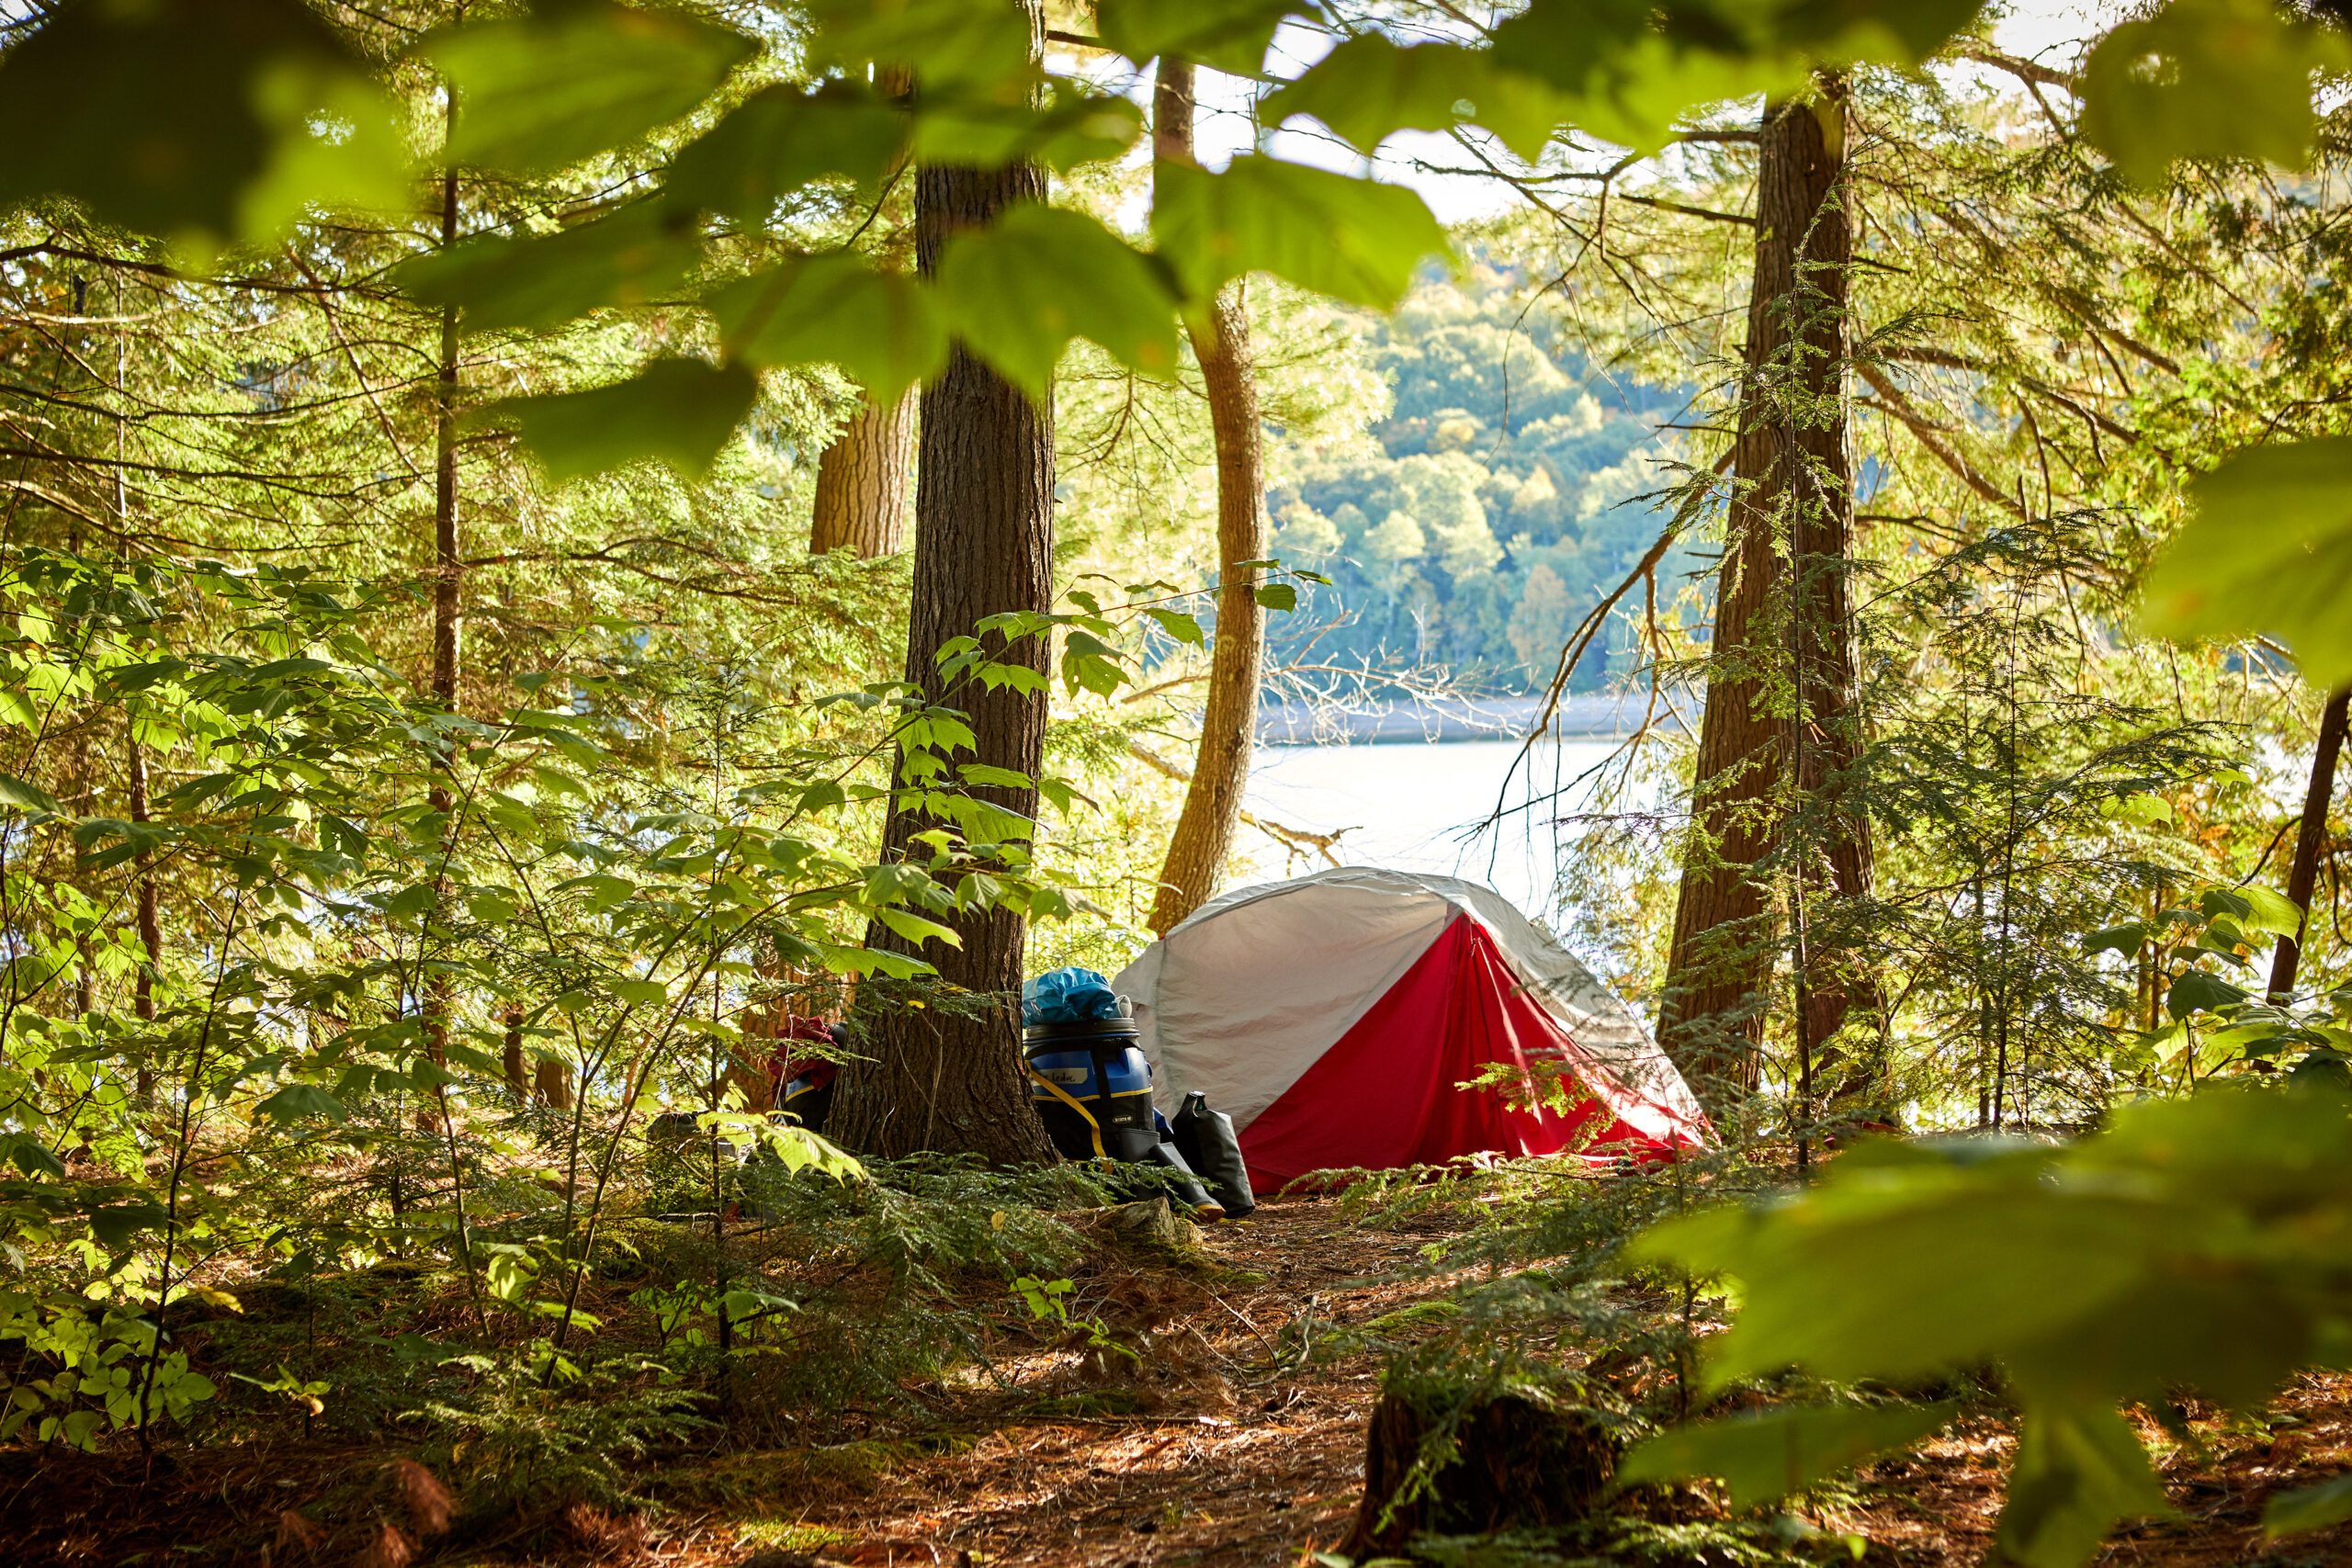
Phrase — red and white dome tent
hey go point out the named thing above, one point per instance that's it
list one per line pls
(1334, 1016)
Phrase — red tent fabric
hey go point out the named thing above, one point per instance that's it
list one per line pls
(1388, 1094)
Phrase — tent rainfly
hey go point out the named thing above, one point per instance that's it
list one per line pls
(1334, 1018)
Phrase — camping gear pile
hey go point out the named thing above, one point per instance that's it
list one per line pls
(1092, 1090)
(1337, 1017)
(804, 1084)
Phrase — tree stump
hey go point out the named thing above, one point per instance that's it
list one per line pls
(1516, 1465)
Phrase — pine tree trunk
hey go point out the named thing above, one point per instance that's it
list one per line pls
(2311, 837)
(1212, 813)
(950, 1079)
(1838, 868)
(861, 482)
(1780, 601)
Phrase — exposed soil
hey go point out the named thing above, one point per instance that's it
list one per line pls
(1233, 1443)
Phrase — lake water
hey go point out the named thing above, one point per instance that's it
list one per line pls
(1417, 807)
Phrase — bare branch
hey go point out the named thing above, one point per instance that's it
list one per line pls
(1892, 401)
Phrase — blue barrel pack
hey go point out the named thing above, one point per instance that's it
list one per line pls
(1091, 1083)
(1092, 1087)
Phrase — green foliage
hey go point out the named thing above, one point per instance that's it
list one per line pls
(1047, 1302)
(637, 832)
(884, 331)
(2208, 79)
(678, 411)
(1355, 239)
(2308, 1508)
(516, 1441)
(222, 144)
(1368, 87)
(781, 138)
(1631, 72)
(498, 282)
(1524, 471)
(1546, 1307)
(2269, 548)
(548, 89)
(1021, 289)
(892, 1278)
(974, 48)
(1766, 1454)
(2182, 1247)
(82, 1374)
(1231, 35)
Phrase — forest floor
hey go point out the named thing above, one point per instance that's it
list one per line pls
(1234, 1444)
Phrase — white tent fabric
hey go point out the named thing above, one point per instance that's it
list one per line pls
(1249, 992)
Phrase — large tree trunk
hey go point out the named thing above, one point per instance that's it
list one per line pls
(950, 1078)
(2311, 836)
(1781, 611)
(861, 482)
(1212, 813)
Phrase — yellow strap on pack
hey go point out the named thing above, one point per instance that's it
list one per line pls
(1093, 1128)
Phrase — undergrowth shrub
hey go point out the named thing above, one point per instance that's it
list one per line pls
(892, 1281)
(519, 1440)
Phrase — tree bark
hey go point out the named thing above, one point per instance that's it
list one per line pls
(950, 1078)
(512, 1066)
(1516, 1465)
(1212, 812)
(551, 1084)
(2311, 837)
(1782, 654)
(861, 482)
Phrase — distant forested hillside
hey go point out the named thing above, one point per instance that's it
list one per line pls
(1504, 496)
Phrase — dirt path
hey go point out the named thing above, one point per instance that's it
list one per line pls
(1252, 1454)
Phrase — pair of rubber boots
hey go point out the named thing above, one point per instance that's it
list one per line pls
(1201, 1147)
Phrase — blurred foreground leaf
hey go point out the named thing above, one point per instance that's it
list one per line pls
(679, 411)
(1368, 88)
(943, 42)
(883, 329)
(497, 281)
(779, 140)
(2268, 549)
(204, 121)
(1355, 239)
(2308, 1508)
(1634, 70)
(1231, 35)
(1763, 1454)
(2208, 79)
(538, 91)
(2197, 1243)
(1018, 291)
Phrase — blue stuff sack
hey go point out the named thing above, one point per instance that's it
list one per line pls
(1068, 996)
